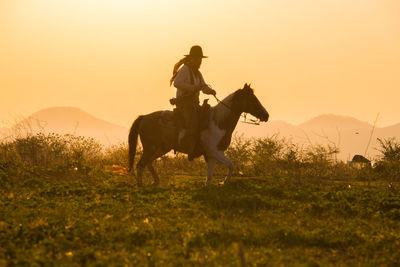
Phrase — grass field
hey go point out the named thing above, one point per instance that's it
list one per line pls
(259, 221)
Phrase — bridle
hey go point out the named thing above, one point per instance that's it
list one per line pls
(244, 115)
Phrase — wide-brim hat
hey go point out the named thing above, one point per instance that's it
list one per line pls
(196, 51)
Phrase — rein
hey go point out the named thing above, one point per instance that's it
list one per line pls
(252, 121)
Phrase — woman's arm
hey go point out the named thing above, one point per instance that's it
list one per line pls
(205, 88)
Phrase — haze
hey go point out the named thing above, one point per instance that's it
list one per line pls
(114, 58)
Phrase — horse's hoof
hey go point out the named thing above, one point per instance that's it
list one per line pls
(225, 182)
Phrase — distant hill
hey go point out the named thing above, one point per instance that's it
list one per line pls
(331, 121)
(273, 127)
(71, 120)
(349, 134)
(390, 131)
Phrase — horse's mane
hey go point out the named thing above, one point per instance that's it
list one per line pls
(221, 110)
(224, 109)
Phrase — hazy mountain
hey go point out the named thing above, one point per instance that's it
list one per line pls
(390, 131)
(274, 127)
(70, 120)
(347, 133)
(334, 122)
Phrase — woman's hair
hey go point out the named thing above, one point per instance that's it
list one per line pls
(185, 60)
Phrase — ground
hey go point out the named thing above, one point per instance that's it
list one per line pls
(253, 220)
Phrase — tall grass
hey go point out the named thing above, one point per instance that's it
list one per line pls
(69, 156)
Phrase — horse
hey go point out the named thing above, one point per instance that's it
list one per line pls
(158, 139)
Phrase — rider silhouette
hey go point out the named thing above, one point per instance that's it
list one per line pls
(189, 82)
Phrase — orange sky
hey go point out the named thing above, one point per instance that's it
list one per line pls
(114, 58)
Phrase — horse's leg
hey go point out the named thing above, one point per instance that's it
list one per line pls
(210, 169)
(140, 167)
(146, 158)
(219, 155)
(153, 173)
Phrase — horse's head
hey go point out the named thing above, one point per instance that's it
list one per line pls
(249, 103)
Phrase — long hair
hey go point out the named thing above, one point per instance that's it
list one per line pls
(187, 61)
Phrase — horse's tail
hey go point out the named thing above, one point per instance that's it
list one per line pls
(132, 141)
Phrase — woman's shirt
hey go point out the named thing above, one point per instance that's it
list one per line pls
(184, 85)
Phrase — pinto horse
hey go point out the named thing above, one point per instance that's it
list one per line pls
(158, 139)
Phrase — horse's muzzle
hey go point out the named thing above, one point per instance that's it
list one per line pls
(265, 117)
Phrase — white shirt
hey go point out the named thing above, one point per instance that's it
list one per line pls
(183, 82)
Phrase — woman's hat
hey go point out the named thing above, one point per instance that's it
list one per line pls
(196, 51)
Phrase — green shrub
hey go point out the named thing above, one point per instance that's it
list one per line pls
(75, 156)
(239, 152)
(390, 149)
(388, 167)
(51, 153)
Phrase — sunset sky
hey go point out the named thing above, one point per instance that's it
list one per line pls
(114, 58)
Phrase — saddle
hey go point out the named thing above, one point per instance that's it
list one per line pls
(204, 115)
(173, 119)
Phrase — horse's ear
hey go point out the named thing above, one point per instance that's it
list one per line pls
(251, 89)
(247, 86)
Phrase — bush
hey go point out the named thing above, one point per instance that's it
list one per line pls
(50, 153)
(390, 149)
(74, 156)
(239, 152)
(388, 167)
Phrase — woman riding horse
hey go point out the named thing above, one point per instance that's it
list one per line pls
(189, 82)
(158, 139)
